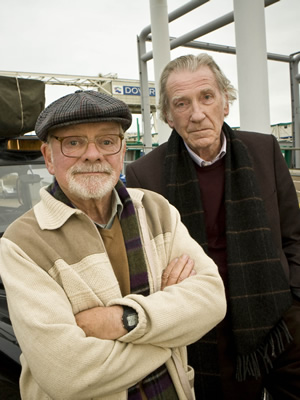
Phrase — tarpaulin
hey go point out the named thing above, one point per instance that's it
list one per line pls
(21, 101)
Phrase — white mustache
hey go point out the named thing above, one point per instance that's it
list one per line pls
(91, 168)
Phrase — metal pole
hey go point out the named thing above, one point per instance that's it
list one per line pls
(161, 54)
(181, 41)
(195, 44)
(295, 81)
(145, 102)
(141, 43)
(251, 55)
(201, 31)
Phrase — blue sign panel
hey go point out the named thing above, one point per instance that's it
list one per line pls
(136, 91)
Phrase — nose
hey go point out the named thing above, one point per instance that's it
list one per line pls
(92, 153)
(198, 113)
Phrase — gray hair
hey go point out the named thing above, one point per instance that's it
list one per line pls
(192, 63)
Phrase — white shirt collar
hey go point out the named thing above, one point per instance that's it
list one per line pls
(202, 163)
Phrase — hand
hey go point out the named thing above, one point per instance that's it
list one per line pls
(178, 270)
(102, 322)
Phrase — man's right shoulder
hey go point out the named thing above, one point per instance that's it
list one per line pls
(157, 154)
(19, 227)
(148, 171)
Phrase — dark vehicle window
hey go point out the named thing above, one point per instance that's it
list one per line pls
(22, 175)
(19, 190)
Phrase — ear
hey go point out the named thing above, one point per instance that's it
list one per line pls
(123, 151)
(47, 154)
(169, 120)
(226, 106)
(170, 123)
(121, 156)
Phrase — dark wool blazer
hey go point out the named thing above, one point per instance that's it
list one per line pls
(276, 185)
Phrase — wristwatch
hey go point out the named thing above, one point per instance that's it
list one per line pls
(130, 318)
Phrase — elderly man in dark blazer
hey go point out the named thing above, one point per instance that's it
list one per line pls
(236, 196)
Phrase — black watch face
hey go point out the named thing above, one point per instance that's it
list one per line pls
(130, 318)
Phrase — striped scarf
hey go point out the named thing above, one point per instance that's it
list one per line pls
(157, 385)
(259, 293)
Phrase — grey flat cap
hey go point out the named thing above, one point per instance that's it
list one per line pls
(82, 107)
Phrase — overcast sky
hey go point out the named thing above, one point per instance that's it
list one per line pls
(89, 37)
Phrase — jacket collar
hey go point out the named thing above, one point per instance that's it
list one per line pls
(52, 214)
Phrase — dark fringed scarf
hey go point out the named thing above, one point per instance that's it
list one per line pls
(259, 293)
(157, 385)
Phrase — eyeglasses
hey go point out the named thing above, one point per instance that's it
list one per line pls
(76, 146)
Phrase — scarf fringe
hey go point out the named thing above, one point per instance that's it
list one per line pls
(276, 343)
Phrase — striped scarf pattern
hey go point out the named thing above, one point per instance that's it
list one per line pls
(259, 293)
(157, 385)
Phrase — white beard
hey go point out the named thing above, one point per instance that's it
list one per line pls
(94, 186)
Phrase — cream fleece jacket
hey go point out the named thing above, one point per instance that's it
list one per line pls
(53, 264)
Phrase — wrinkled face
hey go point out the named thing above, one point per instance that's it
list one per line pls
(197, 110)
(92, 176)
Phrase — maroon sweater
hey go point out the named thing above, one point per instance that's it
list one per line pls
(212, 183)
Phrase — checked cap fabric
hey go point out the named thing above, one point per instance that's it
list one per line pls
(82, 107)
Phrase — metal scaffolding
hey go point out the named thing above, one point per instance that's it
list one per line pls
(188, 40)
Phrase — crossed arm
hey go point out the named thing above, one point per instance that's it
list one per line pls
(106, 322)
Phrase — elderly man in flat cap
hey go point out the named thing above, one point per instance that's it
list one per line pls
(105, 286)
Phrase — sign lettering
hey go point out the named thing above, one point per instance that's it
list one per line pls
(131, 90)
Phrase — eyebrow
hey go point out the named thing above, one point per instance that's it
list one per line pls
(201, 92)
(175, 98)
